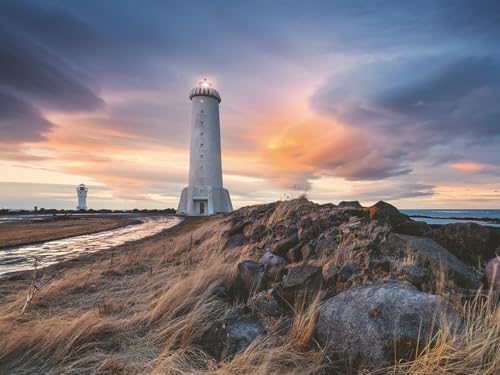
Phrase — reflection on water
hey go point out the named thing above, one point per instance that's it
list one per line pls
(50, 252)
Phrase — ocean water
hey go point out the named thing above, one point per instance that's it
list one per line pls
(447, 216)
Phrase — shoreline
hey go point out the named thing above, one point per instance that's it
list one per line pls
(461, 219)
(121, 223)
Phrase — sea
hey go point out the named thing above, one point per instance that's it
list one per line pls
(447, 216)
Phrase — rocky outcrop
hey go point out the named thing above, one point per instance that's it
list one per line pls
(435, 256)
(371, 325)
(470, 242)
(281, 247)
(492, 272)
(231, 334)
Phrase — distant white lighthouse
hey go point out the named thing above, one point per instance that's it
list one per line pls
(81, 193)
(205, 194)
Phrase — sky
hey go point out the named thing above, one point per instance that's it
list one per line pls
(341, 100)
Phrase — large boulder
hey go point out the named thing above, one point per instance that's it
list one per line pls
(371, 325)
(299, 285)
(275, 266)
(386, 213)
(470, 242)
(436, 256)
(231, 334)
(492, 272)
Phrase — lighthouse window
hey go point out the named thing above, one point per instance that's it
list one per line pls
(201, 145)
(201, 156)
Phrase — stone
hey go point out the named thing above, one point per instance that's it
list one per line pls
(414, 228)
(258, 233)
(235, 240)
(414, 274)
(350, 204)
(299, 285)
(231, 334)
(382, 264)
(348, 270)
(264, 303)
(306, 229)
(281, 247)
(492, 272)
(251, 278)
(371, 325)
(470, 242)
(330, 273)
(387, 213)
(307, 251)
(435, 255)
(294, 254)
(275, 266)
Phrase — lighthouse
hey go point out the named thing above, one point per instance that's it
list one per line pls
(81, 193)
(205, 193)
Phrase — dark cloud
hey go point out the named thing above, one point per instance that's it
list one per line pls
(20, 121)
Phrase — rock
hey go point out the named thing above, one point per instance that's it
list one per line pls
(306, 229)
(414, 274)
(384, 212)
(235, 240)
(231, 335)
(300, 284)
(348, 270)
(371, 325)
(294, 254)
(330, 273)
(275, 266)
(264, 303)
(307, 251)
(258, 233)
(350, 205)
(470, 242)
(251, 278)
(492, 272)
(281, 247)
(237, 227)
(382, 264)
(434, 254)
(414, 228)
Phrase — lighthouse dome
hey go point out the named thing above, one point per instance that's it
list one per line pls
(204, 88)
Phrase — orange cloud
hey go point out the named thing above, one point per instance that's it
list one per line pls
(469, 167)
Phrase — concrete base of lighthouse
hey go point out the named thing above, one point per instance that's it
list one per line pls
(204, 200)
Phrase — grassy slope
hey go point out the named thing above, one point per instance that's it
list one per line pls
(21, 233)
(139, 308)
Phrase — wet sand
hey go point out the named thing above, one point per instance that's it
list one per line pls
(24, 233)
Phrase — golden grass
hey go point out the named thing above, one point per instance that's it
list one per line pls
(144, 309)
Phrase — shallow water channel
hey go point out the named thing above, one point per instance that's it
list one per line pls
(21, 258)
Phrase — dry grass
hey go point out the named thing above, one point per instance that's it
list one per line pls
(143, 308)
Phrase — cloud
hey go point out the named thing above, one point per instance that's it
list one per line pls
(20, 121)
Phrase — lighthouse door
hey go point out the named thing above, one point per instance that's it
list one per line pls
(202, 208)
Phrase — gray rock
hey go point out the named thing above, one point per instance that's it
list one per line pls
(300, 284)
(264, 303)
(414, 228)
(235, 240)
(281, 247)
(251, 278)
(470, 242)
(275, 266)
(307, 251)
(350, 204)
(387, 213)
(492, 272)
(348, 270)
(294, 254)
(231, 335)
(414, 274)
(436, 256)
(370, 325)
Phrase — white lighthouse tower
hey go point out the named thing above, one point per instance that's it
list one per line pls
(205, 194)
(81, 193)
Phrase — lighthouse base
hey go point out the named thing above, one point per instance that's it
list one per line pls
(204, 201)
